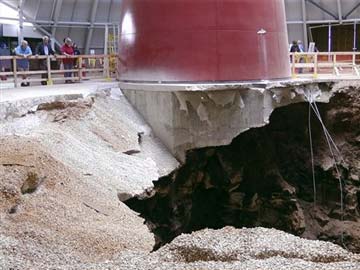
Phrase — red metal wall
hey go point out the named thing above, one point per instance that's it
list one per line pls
(203, 40)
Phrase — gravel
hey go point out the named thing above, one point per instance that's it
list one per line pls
(74, 217)
(74, 220)
(256, 248)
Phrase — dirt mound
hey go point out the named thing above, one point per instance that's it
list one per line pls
(256, 248)
(62, 218)
(62, 166)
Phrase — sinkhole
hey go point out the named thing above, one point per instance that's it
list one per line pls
(264, 178)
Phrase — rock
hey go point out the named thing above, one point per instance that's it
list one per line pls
(123, 196)
(131, 152)
(31, 183)
(321, 217)
(354, 177)
(13, 209)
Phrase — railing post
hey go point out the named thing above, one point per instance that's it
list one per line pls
(293, 69)
(107, 66)
(357, 73)
(315, 66)
(335, 66)
(80, 68)
(353, 59)
(117, 67)
(15, 72)
(106, 72)
(48, 65)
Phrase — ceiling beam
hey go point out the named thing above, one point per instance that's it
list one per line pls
(352, 11)
(323, 9)
(52, 9)
(21, 20)
(304, 18)
(91, 28)
(56, 16)
(37, 9)
(110, 8)
(72, 17)
(339, 7)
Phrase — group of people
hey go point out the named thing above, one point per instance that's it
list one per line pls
(297, 46)
(44, 48)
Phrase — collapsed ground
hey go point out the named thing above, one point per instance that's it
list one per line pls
(63, 163)
(264, 178)
(67, 161)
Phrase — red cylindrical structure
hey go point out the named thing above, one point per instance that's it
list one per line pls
(203, 40)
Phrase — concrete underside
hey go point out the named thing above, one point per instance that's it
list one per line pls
(187, 117)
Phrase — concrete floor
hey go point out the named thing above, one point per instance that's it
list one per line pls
(83, 88)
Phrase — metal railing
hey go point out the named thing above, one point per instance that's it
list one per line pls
(86, 67)
(322, 64)
(50, 69)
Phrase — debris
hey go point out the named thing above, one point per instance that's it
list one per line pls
(31, 183)
(131, 152)
(96, 210)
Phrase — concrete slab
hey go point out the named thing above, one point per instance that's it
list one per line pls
(210, 86)
(190, 116)
(84, 89)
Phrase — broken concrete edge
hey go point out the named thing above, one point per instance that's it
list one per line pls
(186, 120)
(17, 108)
(212, 86)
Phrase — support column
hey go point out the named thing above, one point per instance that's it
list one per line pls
(21, 21)
(56, 16)
(106, 59)
(304, 19)
(91, 29)
(340, 11)
(355, 37)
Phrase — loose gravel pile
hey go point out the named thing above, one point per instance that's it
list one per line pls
(62, 168)
(249, 249)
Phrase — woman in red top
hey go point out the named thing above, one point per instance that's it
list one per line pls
(68, 50)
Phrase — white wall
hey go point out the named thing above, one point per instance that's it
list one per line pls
(12, 31)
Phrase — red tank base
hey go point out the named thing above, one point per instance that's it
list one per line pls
(203, 40)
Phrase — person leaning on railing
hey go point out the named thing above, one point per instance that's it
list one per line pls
(68, 50)
(4, 64)
(44, 48)
(23, 51)
(77, 52)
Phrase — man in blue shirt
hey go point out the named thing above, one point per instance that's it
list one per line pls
(23, 51)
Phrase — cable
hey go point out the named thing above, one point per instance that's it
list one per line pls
(332, 145)
(312, 155)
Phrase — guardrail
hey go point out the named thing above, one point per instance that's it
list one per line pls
(51, 68)
(334, 64)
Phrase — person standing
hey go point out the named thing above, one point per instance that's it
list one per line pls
(23, 51)
(76, 61)
(68, 50)
(76, 49)
(44, 48)
(294, 47)
(302, 57)
(301, 46)
(4, 64)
